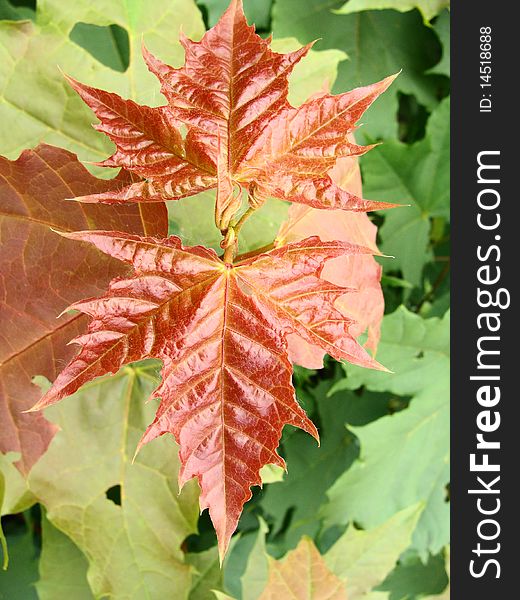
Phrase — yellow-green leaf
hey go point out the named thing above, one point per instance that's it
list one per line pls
(133, 549)
(303, 575)
(36, 100)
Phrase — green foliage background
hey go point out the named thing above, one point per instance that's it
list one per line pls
(375, 496)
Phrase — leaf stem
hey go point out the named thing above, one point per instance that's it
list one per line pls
(243, 219)
(230, 242)
(229, 254)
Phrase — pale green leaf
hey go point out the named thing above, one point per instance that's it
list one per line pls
(63, 568)
(207, 574)
(133, 549)
(428, 8)
(418, 175)
(221, 595)
(272, 474)
(364, 558)
(194, 222)
(17, 496)
(36, 101)
(256, 572)
(404, 456)
(416, 350)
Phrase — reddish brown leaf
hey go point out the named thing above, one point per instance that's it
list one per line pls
(220, 330)
(242, 133)
(292, 157)
(41, 273)
(303, 575)
(231, 86)
(361, 272)
(149, 144)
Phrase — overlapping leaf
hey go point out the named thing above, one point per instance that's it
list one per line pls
(418, 174)
(220, 331)
(231, 94)
(35, 99)
(304, 575)
(413, 577)
(406, 452)
(132, 543)
(362, 273)
(292, 510)
(361, 559)
(428, 8)
(42, 273)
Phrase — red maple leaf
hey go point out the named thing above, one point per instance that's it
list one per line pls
(221, 325)
(42, 273)
(220, 330)
(241, 131)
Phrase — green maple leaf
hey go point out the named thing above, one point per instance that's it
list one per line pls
(376, 42)
(415, 579)
(418, 175)
(133, 550)
(30, 54)
(364, 558)
(428, 8)
(404, 457)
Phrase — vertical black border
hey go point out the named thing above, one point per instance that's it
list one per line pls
(473, 131)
